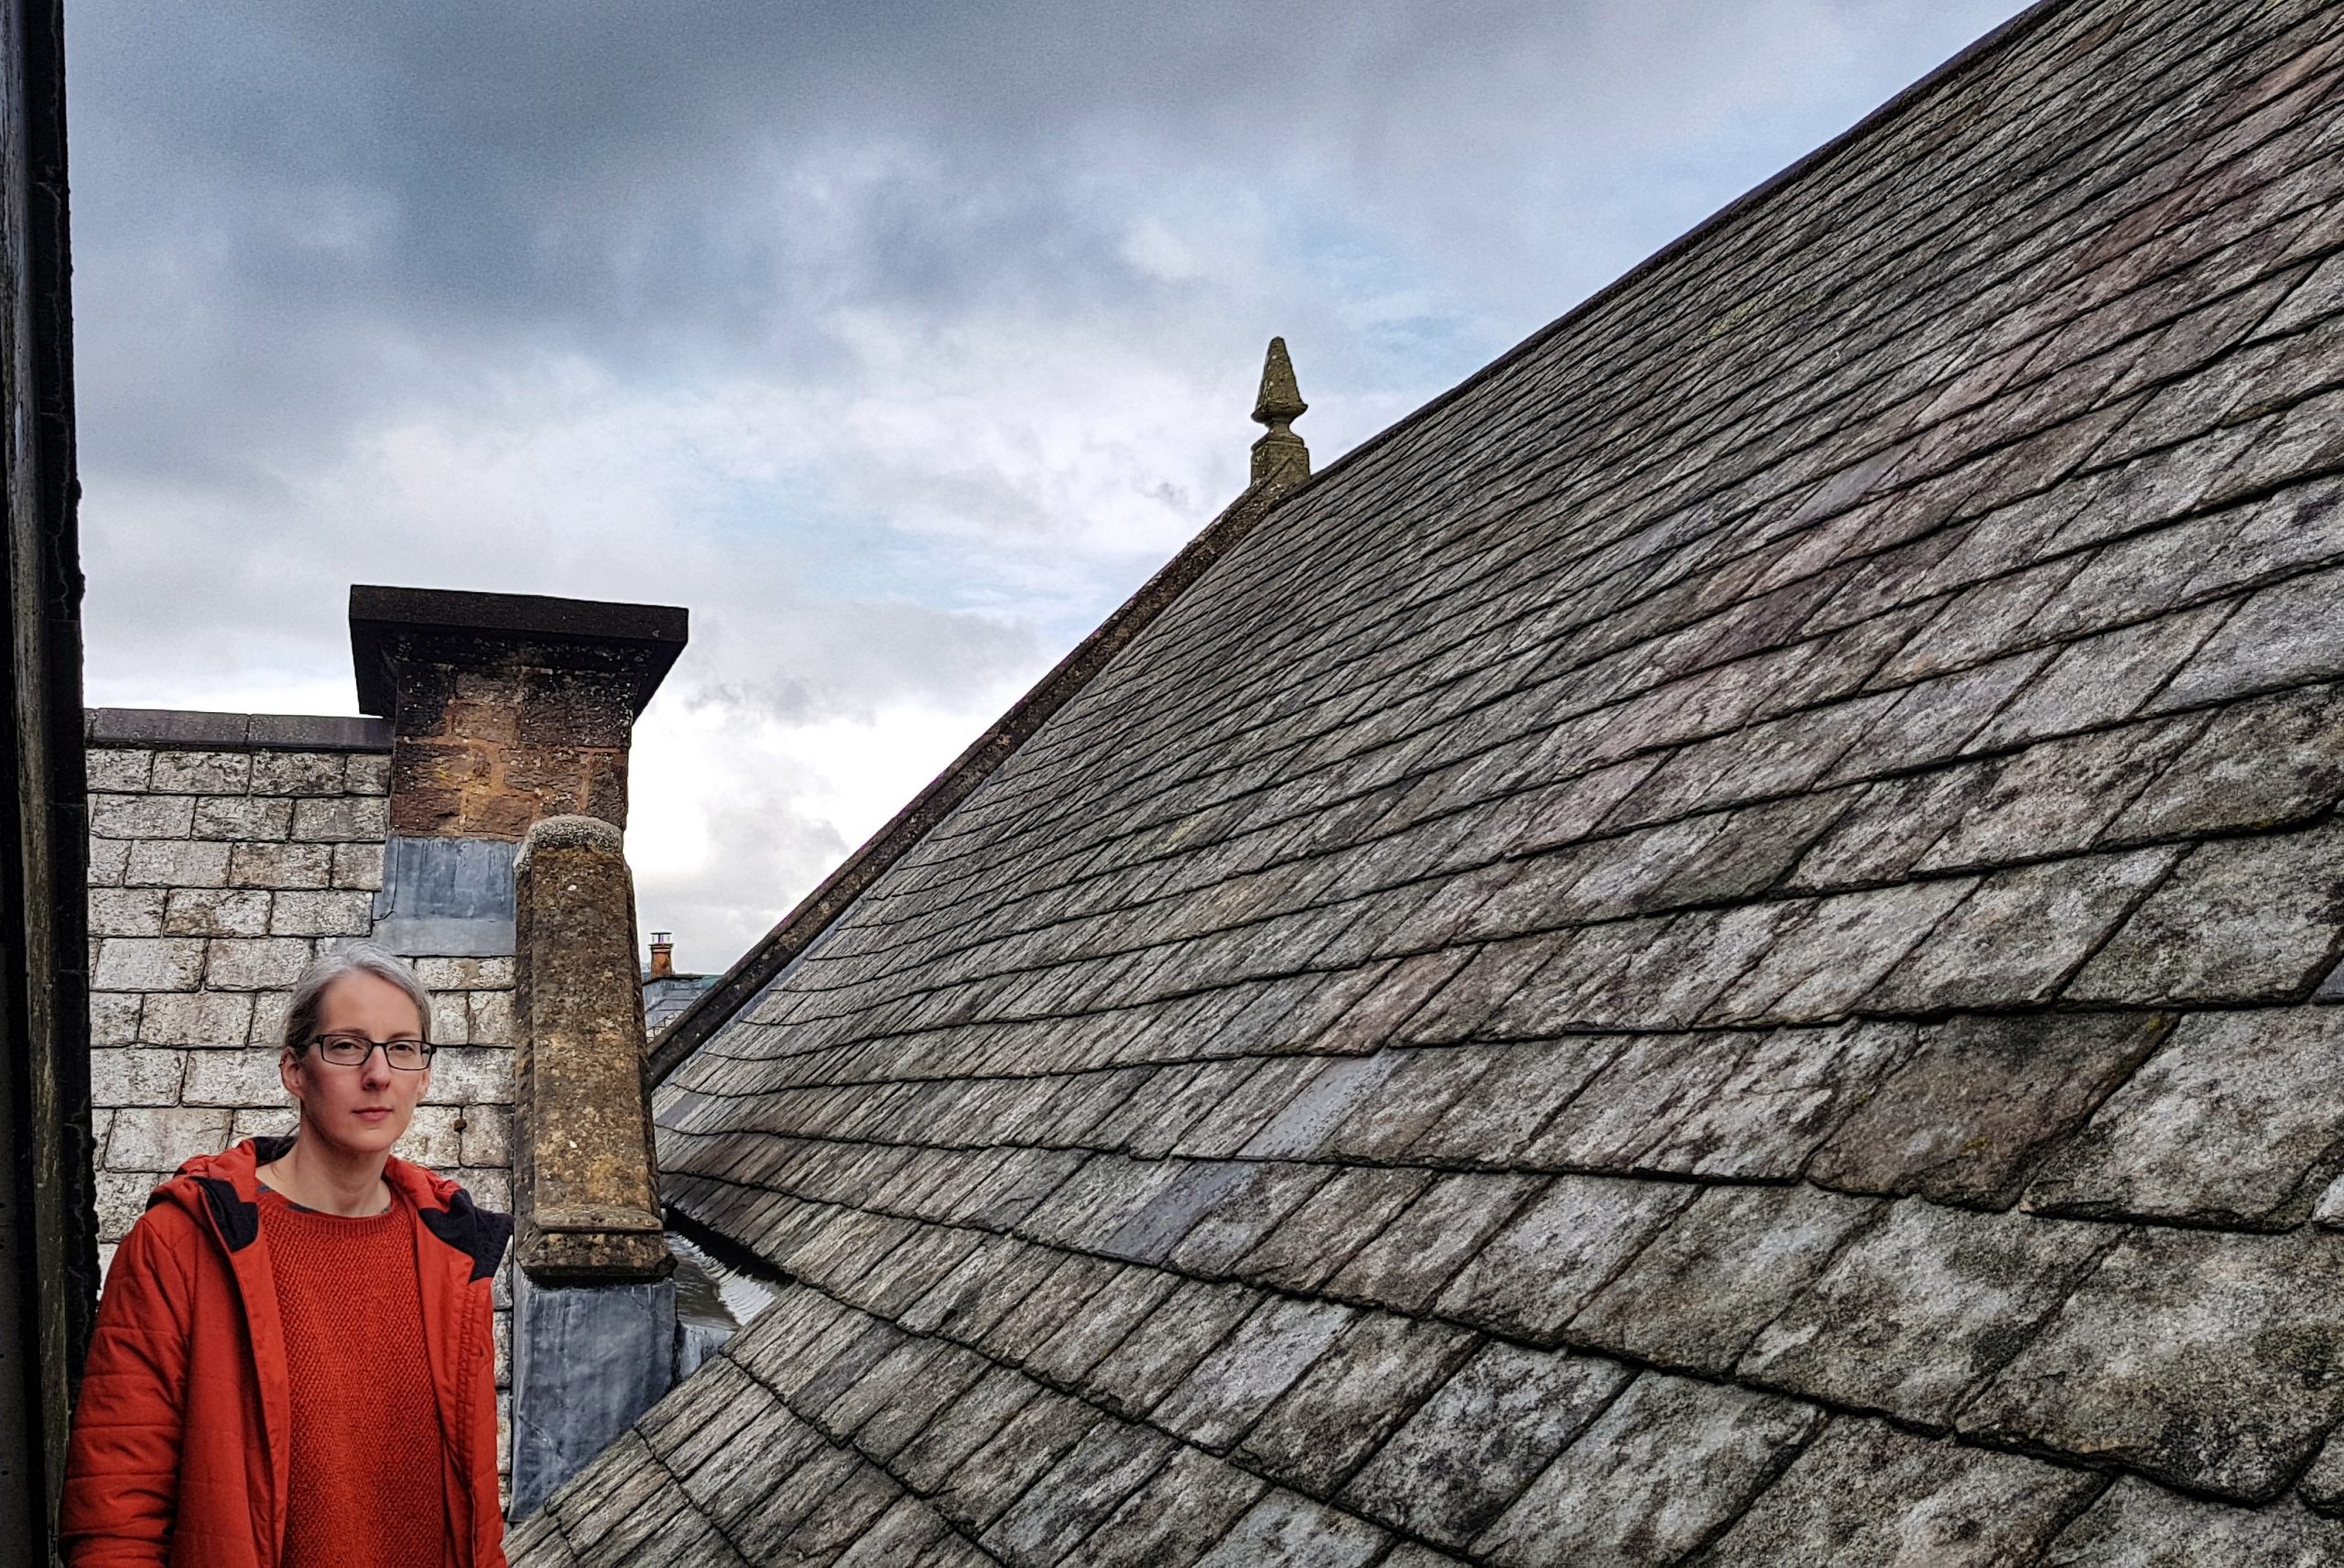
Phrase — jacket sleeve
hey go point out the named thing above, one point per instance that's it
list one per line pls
(122, 1468)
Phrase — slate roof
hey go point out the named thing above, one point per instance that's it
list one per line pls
(1710, 951)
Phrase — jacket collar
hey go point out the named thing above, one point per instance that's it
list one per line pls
(226, 1188)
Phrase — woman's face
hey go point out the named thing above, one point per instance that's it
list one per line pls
(362, 1109)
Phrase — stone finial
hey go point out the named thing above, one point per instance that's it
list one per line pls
(1280, 456)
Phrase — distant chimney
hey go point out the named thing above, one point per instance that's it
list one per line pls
(663, 956)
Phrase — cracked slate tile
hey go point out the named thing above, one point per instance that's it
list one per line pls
(2136, 1525)
(1165, 1346)
(1423, 1086)
(1414, 1257)
(2238, 1121)
(1284, 1530)
(1727, 1266)
(1921, 1307)
(1892, 824)
(1503, 1105)
(1468, 1451)
(1319, 1238)
(1864, 1495)
(1249, 1211)
(1112, 1460)
(2240, 920)
(1968, 1114)
(2214, 1361)
(1832, 959)
(1381, 1368)
(1663, 1468)
(1788, 1093)
(2015, 940)
(1173, 1517)
(1263, 1356)
(1532, 1276)
(2056, 796)
(1651, 1082)
(907, 1529)
(2283, 636)
(2261, 765)
(2322, 1484)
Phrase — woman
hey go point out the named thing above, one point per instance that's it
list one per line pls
(294, 1362)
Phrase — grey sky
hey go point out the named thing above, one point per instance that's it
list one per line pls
(897, 342)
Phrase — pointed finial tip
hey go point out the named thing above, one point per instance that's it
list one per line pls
(1281, 399)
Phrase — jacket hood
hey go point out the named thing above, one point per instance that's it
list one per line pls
(224, 1189)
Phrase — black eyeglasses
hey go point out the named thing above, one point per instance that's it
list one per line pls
(350, 1050)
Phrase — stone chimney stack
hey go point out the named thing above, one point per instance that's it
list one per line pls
(506, 707)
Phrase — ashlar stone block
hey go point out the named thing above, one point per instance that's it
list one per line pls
(250, 964)
(199, 1017)
(148, 964)
(109, 863)
(358, 866)
(139, 1075)
(243, 817)
(235, 1079)
(141, 816)
(280, 866)
(356, 818)
(120, 770)
(114, 1017)
(125, 911)
(149, 1138)
(216, 911)
(323, 914)
(202, 772)
(179, 863)
(297, 773)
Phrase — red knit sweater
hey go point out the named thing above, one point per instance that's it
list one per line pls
(365, 1483)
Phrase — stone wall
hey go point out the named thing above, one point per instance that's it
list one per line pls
(219, 866)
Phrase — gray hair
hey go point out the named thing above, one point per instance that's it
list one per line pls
(349, 959)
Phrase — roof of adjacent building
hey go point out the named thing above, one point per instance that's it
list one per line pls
(1712, 950)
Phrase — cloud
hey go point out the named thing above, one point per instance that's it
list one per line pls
(897, 342)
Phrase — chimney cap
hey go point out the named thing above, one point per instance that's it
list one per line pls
(647, 636)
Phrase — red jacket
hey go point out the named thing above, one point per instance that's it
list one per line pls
(179, 1450)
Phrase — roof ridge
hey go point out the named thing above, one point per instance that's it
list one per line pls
(837, 892)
